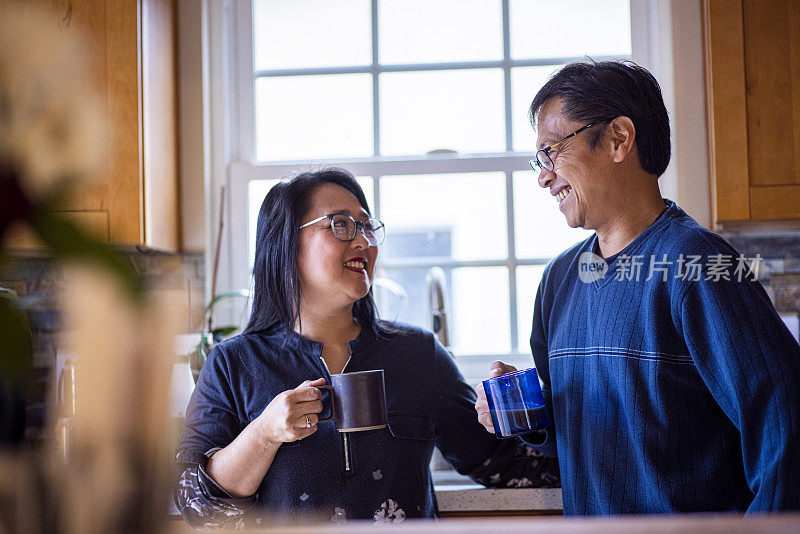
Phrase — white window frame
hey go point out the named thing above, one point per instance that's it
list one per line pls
(230, 145)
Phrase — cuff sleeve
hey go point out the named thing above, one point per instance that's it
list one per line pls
(517, 465)
(542, 441)
(203, 503)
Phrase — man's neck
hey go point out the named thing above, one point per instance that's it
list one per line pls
(629, 222)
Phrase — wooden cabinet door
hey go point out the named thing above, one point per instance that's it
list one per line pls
(752, 59)
(133, 47)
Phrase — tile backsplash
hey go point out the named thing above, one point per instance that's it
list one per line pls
(780, 268)
(38, 282)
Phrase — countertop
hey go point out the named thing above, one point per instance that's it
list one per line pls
(674, 524)
(466, 499)
(458, 499)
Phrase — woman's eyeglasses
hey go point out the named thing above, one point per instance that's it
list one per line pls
(344, 228)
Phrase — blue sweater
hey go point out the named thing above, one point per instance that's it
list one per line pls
(673, 395)
(386, 477)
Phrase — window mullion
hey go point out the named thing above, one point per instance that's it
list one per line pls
(376, 195)
(512, 267)
(512, 260)
(375, 68)
(507, 75)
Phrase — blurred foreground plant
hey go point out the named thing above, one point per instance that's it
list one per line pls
(51, 146)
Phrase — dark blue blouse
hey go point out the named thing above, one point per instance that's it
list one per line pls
(387, 477)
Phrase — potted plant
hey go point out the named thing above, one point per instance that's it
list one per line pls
(213, 334)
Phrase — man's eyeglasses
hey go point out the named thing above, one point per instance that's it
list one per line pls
(543, 159)
(344, 228)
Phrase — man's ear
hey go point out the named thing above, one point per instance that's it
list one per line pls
(623, 138)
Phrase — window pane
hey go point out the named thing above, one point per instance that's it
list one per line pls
(368, 186)
(541, 229)
(477, 320)
(525, 83)
(441, 31)
(459, 216)
(460, 110)
(258, 189)
(475, 368)
(309, 117)
(311, 33)
(569, 28)
(528, 277)
(409, 307)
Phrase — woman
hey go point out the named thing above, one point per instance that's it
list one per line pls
(252, 438)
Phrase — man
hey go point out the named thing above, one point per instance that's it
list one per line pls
(671, 383)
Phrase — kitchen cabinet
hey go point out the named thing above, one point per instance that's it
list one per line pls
(752, 54)
(134, 62)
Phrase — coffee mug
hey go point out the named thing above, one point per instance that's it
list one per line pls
(516, 403)
(358, 401)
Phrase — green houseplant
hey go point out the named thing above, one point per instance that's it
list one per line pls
(213, 334)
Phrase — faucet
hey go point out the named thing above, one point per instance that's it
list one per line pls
(437, 288)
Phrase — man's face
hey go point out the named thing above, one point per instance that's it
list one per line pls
(580, 180)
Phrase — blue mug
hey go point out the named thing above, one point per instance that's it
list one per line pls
(516, 403)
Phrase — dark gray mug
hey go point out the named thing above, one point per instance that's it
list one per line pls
(358, 401)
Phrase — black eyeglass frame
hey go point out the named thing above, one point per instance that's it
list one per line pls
(357, 226)
(547, 162)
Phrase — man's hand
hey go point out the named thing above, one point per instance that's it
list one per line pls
(497, 368)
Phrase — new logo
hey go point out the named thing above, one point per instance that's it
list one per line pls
(591, 267)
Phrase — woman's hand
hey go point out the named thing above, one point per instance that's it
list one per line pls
(293, 414)
(240, 467)
(497, 368)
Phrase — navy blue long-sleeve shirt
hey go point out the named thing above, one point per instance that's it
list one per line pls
(387, 477)
(675, 394)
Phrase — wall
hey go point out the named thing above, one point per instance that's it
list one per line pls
(676, 44)
(690, 151)
(191, 119)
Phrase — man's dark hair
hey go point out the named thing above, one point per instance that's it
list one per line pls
(276, 291)
(602, 91)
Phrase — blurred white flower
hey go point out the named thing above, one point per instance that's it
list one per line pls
(124, 356)
(51, 127)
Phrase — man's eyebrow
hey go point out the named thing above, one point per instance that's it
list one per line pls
(544, 143)
(547, 138)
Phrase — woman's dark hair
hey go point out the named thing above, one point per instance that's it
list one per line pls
(276, 292)
(602, 91)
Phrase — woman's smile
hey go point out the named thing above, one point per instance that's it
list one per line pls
(357, 264)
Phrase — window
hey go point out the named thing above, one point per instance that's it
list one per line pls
(426, 102)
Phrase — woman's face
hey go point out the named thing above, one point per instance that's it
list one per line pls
(333, 273)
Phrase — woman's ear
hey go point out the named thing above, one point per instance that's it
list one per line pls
(623, 138)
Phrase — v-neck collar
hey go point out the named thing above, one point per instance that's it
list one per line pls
(632, 247)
